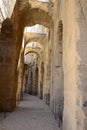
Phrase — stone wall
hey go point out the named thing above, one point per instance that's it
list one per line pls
(19, 93)
(7, 67)
(62, 63)
(73, 16)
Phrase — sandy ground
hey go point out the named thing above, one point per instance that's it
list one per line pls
(31, 114)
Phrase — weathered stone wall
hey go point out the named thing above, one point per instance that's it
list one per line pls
(71, 79)
(73, 16)
(47, 69)
(25, 80)
(20, 77)
(7, 64)
(57, 86)
(81, 46)
(62, 64)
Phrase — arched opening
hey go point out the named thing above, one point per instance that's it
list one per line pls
(33, 47)
(38, 16)
(31, 51)
(31, 59)
(34, 44)
(26, 16)
(44, 77)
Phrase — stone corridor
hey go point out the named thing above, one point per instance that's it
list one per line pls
(31, 114)
(43, 53)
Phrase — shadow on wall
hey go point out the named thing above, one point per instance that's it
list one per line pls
(42, 80)
(8, 73)
(59, 104)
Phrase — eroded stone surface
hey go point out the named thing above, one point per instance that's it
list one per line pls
(62, 66)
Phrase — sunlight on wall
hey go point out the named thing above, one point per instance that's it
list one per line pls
(36, 29)
(43, 0)
(6, 7)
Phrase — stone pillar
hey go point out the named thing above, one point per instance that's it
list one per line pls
(39, 76)
(57, 86)
(41, 80)
(8, 76)
(47, 74)
(19, 94)
(35, 81)
(46, 65)
(28, 88)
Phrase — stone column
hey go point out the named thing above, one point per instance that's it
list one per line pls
(57, 86)
(19, 94)
(8, 75)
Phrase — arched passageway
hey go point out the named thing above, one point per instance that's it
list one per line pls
(32, 73)
(27, 16)
(61, 68)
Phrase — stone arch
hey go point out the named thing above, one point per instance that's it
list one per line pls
(38, 16)
(34, 39)
(39, 4)
(31, 51)
(31, 15)
(27, 16)
(38, 43)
